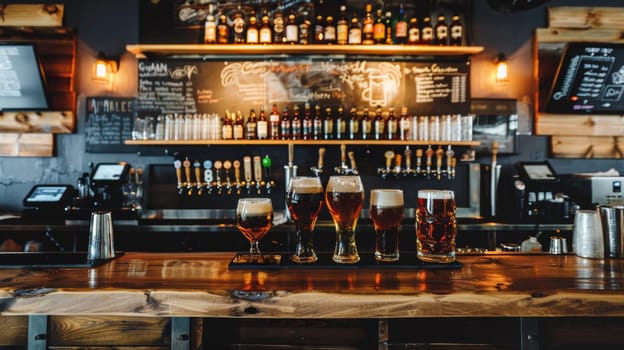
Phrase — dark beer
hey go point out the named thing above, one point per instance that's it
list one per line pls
(386, 211)
(254, 227)
(305, 207)
(304, 200)
(436, 226)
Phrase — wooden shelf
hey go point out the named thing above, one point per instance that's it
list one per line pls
(145, 50)
(297, 142)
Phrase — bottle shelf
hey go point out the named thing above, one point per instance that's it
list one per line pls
(297, 142)
(145, 50)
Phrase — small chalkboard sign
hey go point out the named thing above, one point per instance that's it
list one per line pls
(590, 79)
(109, 124)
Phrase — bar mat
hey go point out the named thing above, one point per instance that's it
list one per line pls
(408, 260)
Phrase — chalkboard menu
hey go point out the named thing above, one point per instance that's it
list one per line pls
(109, 123)
(194, 86)
(590, 79)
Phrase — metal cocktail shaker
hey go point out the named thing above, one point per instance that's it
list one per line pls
(612, 218)
(101, 245)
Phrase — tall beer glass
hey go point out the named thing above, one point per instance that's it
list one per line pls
(386, 211)
(344, 197)
(436, 226)
(254, 217)
(304, 200)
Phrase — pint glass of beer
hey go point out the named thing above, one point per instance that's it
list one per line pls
(344, 196)
(304, 200)
(254, 217)
(386, 211)
(436, 226)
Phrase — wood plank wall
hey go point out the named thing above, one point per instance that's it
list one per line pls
(582, 136)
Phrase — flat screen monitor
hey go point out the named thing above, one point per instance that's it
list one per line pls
(22, 83)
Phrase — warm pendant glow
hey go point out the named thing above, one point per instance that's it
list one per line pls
(101, 70)
(502, 71)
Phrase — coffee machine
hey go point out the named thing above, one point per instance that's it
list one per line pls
(592, 190)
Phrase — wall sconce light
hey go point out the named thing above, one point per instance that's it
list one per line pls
(502, 68)
(104, 67)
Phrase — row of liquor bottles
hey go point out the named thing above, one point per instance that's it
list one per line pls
(374, 28)
(316, 124)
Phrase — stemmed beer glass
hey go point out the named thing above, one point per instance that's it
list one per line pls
(304, 200)
(254, 218)
(344, 197)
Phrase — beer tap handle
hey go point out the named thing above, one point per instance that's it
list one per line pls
(266, 165)
(321, 161)
(177, 164)
(218, 165)
(389, 155)
(247, 169)
(208, 177)
(408, 159)
(257, 166)
(429, 154)
(353, 166)
(453, 162)
(449, 155)
(398, 158)
(439, 156)
(419, 155)
(236, 165)
(227, 165)
(343, 158)
(197, 166)
(187, 172)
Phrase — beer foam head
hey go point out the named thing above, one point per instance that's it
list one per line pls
(306, 184)
(386, 198)
(436, 194)
(345, 184)
(255, 206)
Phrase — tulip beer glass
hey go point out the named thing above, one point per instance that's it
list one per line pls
(386, 211)
(304, 200)
(344, 196)
(254, 217)
(436, 226)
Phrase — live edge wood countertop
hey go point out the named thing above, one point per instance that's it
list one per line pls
(202, 285)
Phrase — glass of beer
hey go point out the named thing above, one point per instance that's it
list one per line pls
(386, 211)
(436, 226)
(344, 196)
(254, 217)
(304, 200)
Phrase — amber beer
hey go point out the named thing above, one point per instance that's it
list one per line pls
(436, 226)
(254, 217)
(386, 211)
(344, 197)
(304, 200)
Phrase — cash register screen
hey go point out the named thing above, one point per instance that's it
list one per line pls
(539, 172)
(109, 172)
(46, 194)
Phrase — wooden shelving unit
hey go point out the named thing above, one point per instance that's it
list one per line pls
(145, 50)
(297, 142)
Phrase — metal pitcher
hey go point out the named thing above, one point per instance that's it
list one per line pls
(101, 245)
(612, 219)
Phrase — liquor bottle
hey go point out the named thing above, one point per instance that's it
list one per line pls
(306, 128)
(304, 29)
(295, 124)
(342, 27)
(210, 27)
(354, 125)
(317, 124)
(226, 128)
(223, 30)
(392, 125)
(355, 31)
(252, 34)
(426, 32)
(441, 31)
(404, 125)
(252, 125)
(292, 30)
(368, 24)
(400, 27)
(457, 32)
(389, 28)
(413, 33)
(279, 36)
(329, 31)
(238, 26)
(366, 125)
(328, 125)
(319, 30)
(341, 125)
(379, 29)
(263, 125)
(378, 125)
(274, 123)
(238, 129)
(266, 34)
(285, 124)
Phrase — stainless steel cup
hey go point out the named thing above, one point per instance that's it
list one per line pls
(612, 218)
(587, 239)
(558, 245)
(101, 245)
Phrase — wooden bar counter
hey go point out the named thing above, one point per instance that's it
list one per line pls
(200, 285)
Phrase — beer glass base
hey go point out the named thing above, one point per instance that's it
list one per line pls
(346, 259)
(437, 258)
(386, 257)
(304, 259)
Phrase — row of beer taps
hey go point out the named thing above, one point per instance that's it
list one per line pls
(343, 168)
(224, 177)
(425, 169)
